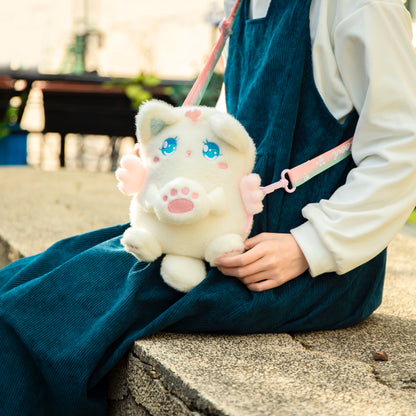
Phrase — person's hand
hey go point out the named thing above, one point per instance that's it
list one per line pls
(269, 261)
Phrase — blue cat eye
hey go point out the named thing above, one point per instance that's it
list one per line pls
(210, 150)
(169, 146)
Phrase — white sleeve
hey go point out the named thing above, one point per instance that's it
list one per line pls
(377, 63)
(221, 102)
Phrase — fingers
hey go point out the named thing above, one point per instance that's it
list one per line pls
(240, 260)
(253, 241)
(263, 285)
(251, 267)
(256, 280)
(270, 260)
(137, 149)
(247, 270)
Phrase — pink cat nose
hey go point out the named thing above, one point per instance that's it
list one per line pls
(188, 153)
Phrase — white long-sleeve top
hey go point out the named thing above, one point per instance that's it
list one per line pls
(363, 58)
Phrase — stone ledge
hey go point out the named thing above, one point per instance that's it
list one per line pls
(8, 253)
(319, 373)
(322, 373)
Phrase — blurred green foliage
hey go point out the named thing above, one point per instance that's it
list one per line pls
(137, 89)
(412, 218)
(11, 116)
(141, 88)
(178, 93)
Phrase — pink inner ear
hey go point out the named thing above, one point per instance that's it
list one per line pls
(194, 115)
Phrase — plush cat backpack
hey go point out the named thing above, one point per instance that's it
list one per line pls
(194, 195)
(193, 191)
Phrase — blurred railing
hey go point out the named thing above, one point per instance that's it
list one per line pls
(82, 104)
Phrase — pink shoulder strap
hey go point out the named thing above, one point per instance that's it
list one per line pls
(198, 89)
(302, 173)
(297, 175)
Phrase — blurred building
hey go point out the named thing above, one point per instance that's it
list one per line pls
(121, 38)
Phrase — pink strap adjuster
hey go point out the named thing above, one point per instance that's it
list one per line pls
(283, 183)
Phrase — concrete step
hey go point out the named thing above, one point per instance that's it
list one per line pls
(325, 373)
(317, 373)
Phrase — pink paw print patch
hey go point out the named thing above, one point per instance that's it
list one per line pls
(180, 201)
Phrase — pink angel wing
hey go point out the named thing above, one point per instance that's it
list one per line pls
(252, 197)
(251, 194)
(130, 175)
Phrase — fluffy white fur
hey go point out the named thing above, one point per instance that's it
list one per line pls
(186, 186)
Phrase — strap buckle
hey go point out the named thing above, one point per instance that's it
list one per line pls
(283, 183)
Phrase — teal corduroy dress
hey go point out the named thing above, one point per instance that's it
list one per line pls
(69, 314)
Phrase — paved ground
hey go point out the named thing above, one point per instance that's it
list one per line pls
(39, 207)
(319, 373)
(327, 373)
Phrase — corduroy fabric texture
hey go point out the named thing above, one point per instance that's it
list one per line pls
(69, 314)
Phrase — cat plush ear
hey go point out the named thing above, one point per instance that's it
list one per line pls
(152, 118)
(228, 129)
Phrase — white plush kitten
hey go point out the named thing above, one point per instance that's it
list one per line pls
(194, 196)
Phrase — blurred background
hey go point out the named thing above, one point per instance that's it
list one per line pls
(112, 38)
(72, 73)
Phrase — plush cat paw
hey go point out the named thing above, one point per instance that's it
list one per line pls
(141, 244)
(180, 201)
(181, 272)
(225, 245)
(130, 175)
